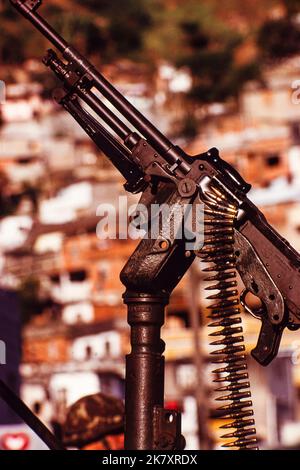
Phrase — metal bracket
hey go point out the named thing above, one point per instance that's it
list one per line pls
(32, 5)
(77, 80)
(167, 430)
(71, 76)
(152, 163)
(61, 96)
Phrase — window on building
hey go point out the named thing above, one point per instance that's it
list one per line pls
(295, 132)
(79, 318)
(88, 352)
(107, 348)
(103, 270)
(273, 160)
(78, 276)
(37, 407)
(24, 161)
(55, 279)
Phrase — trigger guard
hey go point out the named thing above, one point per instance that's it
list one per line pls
(255, 313)
(253, 273)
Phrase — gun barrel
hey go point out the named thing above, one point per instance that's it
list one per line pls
(159, 142)
(58, 67)
(114, 150)
(28, 10)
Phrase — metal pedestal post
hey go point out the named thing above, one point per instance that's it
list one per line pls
(148, 425)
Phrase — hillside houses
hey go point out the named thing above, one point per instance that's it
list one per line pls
(53, 180)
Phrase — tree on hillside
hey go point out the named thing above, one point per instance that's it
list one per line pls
(198, 34)
(97, 28)
(192, 35)
(292, 6)
(280, 37)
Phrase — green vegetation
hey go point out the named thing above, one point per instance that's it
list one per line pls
(205, 44)
(103, 29)
(204, 35)
(280, 37)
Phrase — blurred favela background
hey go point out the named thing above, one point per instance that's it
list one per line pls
(208, 74)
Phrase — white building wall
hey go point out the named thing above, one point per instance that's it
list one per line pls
(98, 346)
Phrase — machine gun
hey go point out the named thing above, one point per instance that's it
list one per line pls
(237, 237)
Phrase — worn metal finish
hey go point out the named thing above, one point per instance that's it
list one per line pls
(144, 368)
(157, 265)
(167, 430)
